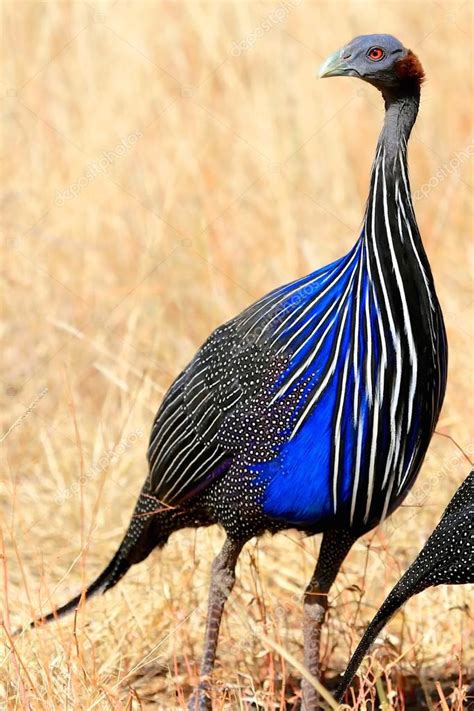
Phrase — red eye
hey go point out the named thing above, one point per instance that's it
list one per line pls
(376, 54)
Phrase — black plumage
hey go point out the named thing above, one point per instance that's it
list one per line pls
(447, 558)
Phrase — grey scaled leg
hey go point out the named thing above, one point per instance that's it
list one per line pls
(334, 548)
(222, 582)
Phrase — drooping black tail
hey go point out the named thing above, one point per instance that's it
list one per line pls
(149, 527)
(109, 577)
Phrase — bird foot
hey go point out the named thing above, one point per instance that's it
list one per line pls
(201, 699)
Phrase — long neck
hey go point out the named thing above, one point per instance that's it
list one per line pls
(397, 264)
(393, 244)
(389, 184)
(400, 115)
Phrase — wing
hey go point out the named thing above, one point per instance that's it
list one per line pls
(221, 397)
(190, 444)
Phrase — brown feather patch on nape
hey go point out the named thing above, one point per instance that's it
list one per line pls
(410, 68)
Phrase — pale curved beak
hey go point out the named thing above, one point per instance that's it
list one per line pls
(335, 66)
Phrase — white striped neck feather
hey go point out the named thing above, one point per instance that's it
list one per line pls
(396, 258)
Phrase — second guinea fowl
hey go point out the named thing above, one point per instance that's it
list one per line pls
(313, 409)
(447, 558)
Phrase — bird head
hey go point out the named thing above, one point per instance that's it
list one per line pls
(380, 60)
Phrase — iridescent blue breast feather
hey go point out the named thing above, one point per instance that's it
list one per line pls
(343, 372)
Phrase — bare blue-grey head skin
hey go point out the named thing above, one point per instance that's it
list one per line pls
(383, 61)
(372, 58)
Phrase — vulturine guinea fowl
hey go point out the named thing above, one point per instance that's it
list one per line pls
(312, 409)
(447, 558)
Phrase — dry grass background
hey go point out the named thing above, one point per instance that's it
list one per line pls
(245, 173)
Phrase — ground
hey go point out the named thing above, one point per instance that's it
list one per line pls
(166, 163)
